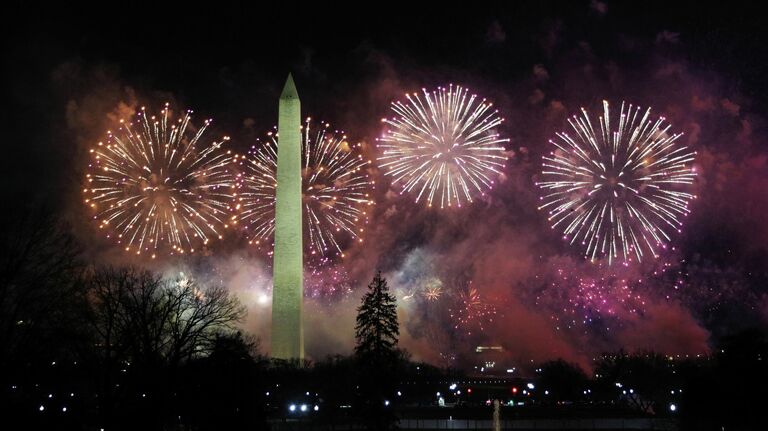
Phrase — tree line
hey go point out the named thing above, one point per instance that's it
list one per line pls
(87, 347)
(120, 348)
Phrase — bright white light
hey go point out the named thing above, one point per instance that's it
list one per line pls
(546, 392)
(263, 299)
(398, 393)
(673, 407)
(64, 409)
(452, 387)
(303, 407)
(292, 407)
(530, 386)
(438, 394)
(41, 408)
(316, 408)
(386, 402)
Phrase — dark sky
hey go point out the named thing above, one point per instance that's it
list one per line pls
(231, 59)
(69, 71)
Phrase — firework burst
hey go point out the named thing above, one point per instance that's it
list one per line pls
(472, 310)
(443, 146)
(593, 302)
(157, 185)
(336, 191)
(327, 281)
(433, 290)
(620, 189)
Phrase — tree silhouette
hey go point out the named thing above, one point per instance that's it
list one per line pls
(41, 297)
(146, 328)
(42, 309)
(377, 328)
(563, 380)
(645, 377)
(377, 356)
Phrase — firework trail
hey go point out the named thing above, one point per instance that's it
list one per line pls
(336, 191)
(618, 189)
(443, 146)
(156, 185)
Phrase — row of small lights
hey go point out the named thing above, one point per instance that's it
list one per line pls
(303, 408)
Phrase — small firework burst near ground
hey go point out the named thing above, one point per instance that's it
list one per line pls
(619, 186)
(432, 290)
(472, 311)
(160, 186)
(336, 191)
(598, 301)
(443, 146)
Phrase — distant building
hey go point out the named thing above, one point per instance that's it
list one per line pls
(491, 360)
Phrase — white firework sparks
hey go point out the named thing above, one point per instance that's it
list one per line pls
(620, 189)
(156, 185)
(335, 186)
(443, 146)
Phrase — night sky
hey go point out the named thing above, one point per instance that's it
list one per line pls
(71, 72)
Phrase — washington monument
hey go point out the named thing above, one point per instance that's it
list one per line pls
(288, 275)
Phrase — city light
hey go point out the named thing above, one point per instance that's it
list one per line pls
(292, 407)
(263, 299)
